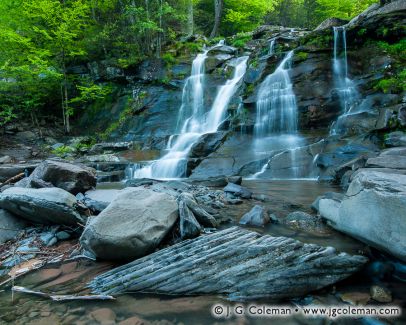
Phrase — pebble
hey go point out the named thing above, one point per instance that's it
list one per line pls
(381, 294)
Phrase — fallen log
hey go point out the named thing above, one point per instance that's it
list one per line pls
(61, 297)
(13, 179)
(235, 262)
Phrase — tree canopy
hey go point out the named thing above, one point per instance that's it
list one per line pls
(40, 39)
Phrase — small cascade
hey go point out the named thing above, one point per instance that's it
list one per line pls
(276, 105)
(276, 121)
(271, 50)
(345, 87)
(193, 122)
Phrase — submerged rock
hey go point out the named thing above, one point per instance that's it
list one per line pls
(373, 211)
(133, 224)
(44, 206)
(67, 176)
(235, 262)
(238, 191)
(257, 216)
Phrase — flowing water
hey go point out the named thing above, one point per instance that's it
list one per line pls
(345, 87)
(276, 121)
(71, 277)
(193, 121)
(271, 50)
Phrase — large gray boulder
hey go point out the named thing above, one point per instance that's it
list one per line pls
(132, 226)
(373, 210)
(70, 177)
(43, 206)
(235, 262)
(10, 226)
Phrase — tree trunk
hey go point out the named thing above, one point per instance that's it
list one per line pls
(218, 10)
(190, 19)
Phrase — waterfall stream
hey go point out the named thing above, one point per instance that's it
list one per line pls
(193, 121)
(276, 119)
(345, 87)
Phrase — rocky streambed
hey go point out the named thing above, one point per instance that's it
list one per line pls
(190, 244)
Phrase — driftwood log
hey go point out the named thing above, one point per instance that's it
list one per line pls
(235, 262)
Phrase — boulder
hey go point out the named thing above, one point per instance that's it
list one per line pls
(372, 211)
(238, 191)
(300, 220)
(235, 262)
(212, 62)
(331, 22)
(67, 176)
(110, 146)
(44, 206)
(207, 144)
(329, 195)
(257, 216)
(10, 226)
(395, 139)
(6, 160)
(133, 224)
(189, 226)
(223, 49)
(387, 161)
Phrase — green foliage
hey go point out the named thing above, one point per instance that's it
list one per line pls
(241, 39)
(6, 115)
(62, 151)
(302, 56)
(396, 49)
(395, 84)
(362, 32)
(169, 59)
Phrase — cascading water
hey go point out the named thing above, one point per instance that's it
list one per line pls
(276, 104)
(345, 87)
(271, 49)
(193, 122)
(276, 118)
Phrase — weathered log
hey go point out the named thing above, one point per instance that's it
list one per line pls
(13, 179)
(235, 262)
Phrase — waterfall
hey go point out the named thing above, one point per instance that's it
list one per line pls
(276, 104)
(193, 122)
(271, 50)
(344, 86)
(276, 119)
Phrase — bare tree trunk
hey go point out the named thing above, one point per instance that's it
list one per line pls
(190, 19)
(218, 10)
(159, 37)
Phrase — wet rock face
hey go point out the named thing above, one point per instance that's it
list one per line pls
(235, 262)
(133, 224)
(44, 206)
(67, 176)
(372, 211)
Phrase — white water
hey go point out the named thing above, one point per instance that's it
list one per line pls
(276, 104)
(276, 119)
(345, 87)
(271, 50)
(193, 122)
